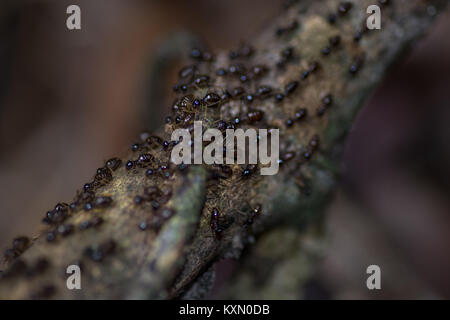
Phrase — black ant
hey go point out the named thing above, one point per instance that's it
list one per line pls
(258, 71)
(212, 99)
(243, 51)
(102, 202)
(332, 18)
(313, 67)
(333, 42)
(217, 224)
(102, 176)
(135, 147)
(40, 266)
(290, 87)
(237, 69)
(220, 171)
(327, 101)
(255, 212)
(113, 163)
(187, 72)
(236, 92)
(286, 55)
(129, 165)
(65, 229)
(312, 146)
(20, 244)
(249, 170)
(356, 64)
(151, 194)
(344, 8)
(264, 92)
(59, 214)
(144, 159)
(286, 157)
(198, 54)
(300, 114)
(291, 26)
(254, 116)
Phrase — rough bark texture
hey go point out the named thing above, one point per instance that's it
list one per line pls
(159, 244)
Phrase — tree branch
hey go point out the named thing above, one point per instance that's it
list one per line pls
(142, 235)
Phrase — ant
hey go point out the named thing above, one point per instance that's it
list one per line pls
(255, 212)
(249, 170)
(217, 224)
(113, 164)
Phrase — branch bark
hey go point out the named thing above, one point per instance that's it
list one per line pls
(141, 235)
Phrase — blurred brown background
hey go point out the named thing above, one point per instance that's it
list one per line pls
(71, 99)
